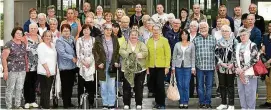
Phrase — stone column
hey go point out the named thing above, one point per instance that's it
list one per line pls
(8, 19)
(149, 6)
(244, 4)
(113, 6)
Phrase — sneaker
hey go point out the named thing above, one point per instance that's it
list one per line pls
(221, 107)
(111, 107)
(35, 105)
(208, 106)
(180, 106)
(20, 108)
(105, 107)
(185, 107)
(230, 108)
(126, 107)
(26, 106)
(138, 107)
(265, 105)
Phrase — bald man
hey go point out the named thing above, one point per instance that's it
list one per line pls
(259, 20)
(94, 32)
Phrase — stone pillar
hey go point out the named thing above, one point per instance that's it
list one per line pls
(113, 6)
(149, 6)
(8, 19)
(244, 4)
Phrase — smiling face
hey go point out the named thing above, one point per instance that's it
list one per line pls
(133, 36)
(138, 8)
(244, 36)
(203, 28)
(160, 9)
(42, 20)
(66, 32)
(237, 11)
(119, 13)
(99, 10)
(53, 25)
(184, 36)
(47, 37)
(33, 29)
(253, 9)
(33, 15)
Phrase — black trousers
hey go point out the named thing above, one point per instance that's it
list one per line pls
(45, 87)
(30, 87)
(67, 78)
(90, 88)
(150, 86)
(157, 76)
(192, 86)
(138, 89)
(226, 85)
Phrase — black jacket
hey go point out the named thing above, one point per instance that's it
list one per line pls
(259, 23)
(133, 20)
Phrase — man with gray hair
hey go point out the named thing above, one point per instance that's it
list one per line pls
(255, 33)
(259, 20)
(94, 30)
(205, 45)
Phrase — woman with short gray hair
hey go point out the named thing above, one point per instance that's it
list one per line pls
(224, 55)
(244, 59)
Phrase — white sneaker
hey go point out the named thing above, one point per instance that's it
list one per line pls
(35, 105)
(126, 107)
(26, 106)
(221, 107)
(138, 107)
(230, 108)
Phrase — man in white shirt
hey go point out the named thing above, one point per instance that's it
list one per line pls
(160, 16)
(237, 19)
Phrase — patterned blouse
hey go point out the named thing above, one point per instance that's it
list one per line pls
(32, 53)
(84, 54)
(16, 58)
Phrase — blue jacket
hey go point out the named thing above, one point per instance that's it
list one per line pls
(26, 25)
(256, 36)
(65, 53)
(173, 38)
(231, 23)
(267, 44)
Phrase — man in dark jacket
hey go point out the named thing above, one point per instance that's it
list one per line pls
(94, 31)
(86, 9)
(259, 23)
(223, 14)
(255, 33)
(137, 17)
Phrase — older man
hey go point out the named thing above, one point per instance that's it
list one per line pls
(86, 9)
(137, 17)
(51, 13)
(255, 33)
(237, 19)
(222, 13)
(259, 23)
(94, 31)
(197, 15)
(205, 64)
(125, 29)
(160, 16)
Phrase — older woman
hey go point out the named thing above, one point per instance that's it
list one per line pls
(66, 59)
(74, 24)
(245, 57)
(143, 28)
(124, 25)
(106, 56)
(224, 55)
(147, 32)
(86, 64)
(108, 18)
(99, 18)
(32, 19)
(183, 64)
(169, 24)
(47, 59)
(32, 41)
(13, 61)
(134, 54)
(158, 64)
(43, 26)
(53, 23)
(119, 13)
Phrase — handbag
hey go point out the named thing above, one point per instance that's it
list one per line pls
(172, 91)
(259, 68)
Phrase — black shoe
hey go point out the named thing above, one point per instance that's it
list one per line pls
(201, 106)
(71, 106)
(185, 107)
(159, 107)
(208, 106)
(265, 105)
(111, 107)
(180, 107)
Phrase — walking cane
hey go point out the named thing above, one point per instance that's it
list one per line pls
(96, 94)
(117, 87)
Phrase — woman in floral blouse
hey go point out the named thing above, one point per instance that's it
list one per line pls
(86, 64)
(32, 41)
(245, 58)
(224, 53)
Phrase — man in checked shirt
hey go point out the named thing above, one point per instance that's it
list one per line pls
(205, 64)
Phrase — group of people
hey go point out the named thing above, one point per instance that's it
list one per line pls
(88, 44)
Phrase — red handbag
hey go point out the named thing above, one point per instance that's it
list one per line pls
(259, 68)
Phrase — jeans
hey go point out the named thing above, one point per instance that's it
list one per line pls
(138, 89)
(205, 77)
(15, 82)
(108, 91)
(183, 76)
(247, 93)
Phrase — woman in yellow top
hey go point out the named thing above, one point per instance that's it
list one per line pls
(158, 64)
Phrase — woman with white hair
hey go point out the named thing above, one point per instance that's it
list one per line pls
(224, 55)
(169, 24)
(99, 18)
(143, 28)
(42, 24)
(245, 57)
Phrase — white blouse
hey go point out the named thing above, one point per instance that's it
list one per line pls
(47, 55)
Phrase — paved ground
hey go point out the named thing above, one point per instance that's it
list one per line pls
(148, 102)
